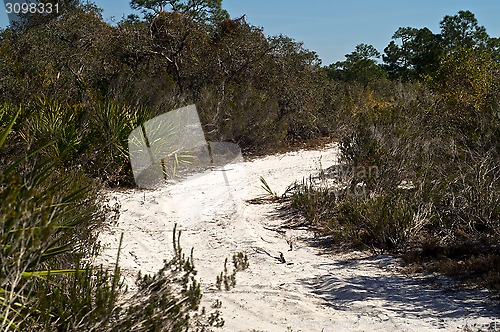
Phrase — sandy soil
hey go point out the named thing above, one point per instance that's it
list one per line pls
(314, 290)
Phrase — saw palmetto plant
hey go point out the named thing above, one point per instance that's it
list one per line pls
(46, 219)
(49, 218)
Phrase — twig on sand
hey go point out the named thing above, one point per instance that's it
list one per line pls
(281, 258)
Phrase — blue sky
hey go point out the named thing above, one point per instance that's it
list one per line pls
(333, 28)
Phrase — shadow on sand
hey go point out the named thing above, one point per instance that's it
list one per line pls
(348, 284)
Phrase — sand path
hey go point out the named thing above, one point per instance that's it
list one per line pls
(314, 290)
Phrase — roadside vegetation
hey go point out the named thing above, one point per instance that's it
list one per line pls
(419, 134)
(420, 154)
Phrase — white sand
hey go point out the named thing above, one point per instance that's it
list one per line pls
(318, 292)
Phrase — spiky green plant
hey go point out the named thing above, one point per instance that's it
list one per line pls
(167, 300)
(47, 218)
(59, 124)
(269, 192)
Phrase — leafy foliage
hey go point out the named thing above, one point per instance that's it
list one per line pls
(360, 66)
(419, 51)
(435, 147)
(48, 220)
(427, 119)
(203, 11)
(262, 93)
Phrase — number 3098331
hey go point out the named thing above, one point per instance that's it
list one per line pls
(31, 8)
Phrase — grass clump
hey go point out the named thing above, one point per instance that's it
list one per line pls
(240, 263)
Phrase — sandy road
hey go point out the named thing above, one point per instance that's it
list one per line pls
(313, 290)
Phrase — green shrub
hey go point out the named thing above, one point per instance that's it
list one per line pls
(107, 157)
(48, 220)
(437, 174)
(92, 138)
(168, 300)
(83, 300)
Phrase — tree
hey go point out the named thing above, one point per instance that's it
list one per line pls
(71, 57)
(360, 66)
(467, 79)
(363, 52)
(463, 31)
(414, 53)
(27, 20)
(494, 47)
(418, 53)
(202, 11)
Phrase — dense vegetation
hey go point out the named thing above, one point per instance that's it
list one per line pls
(421, 154)
(419, 135)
